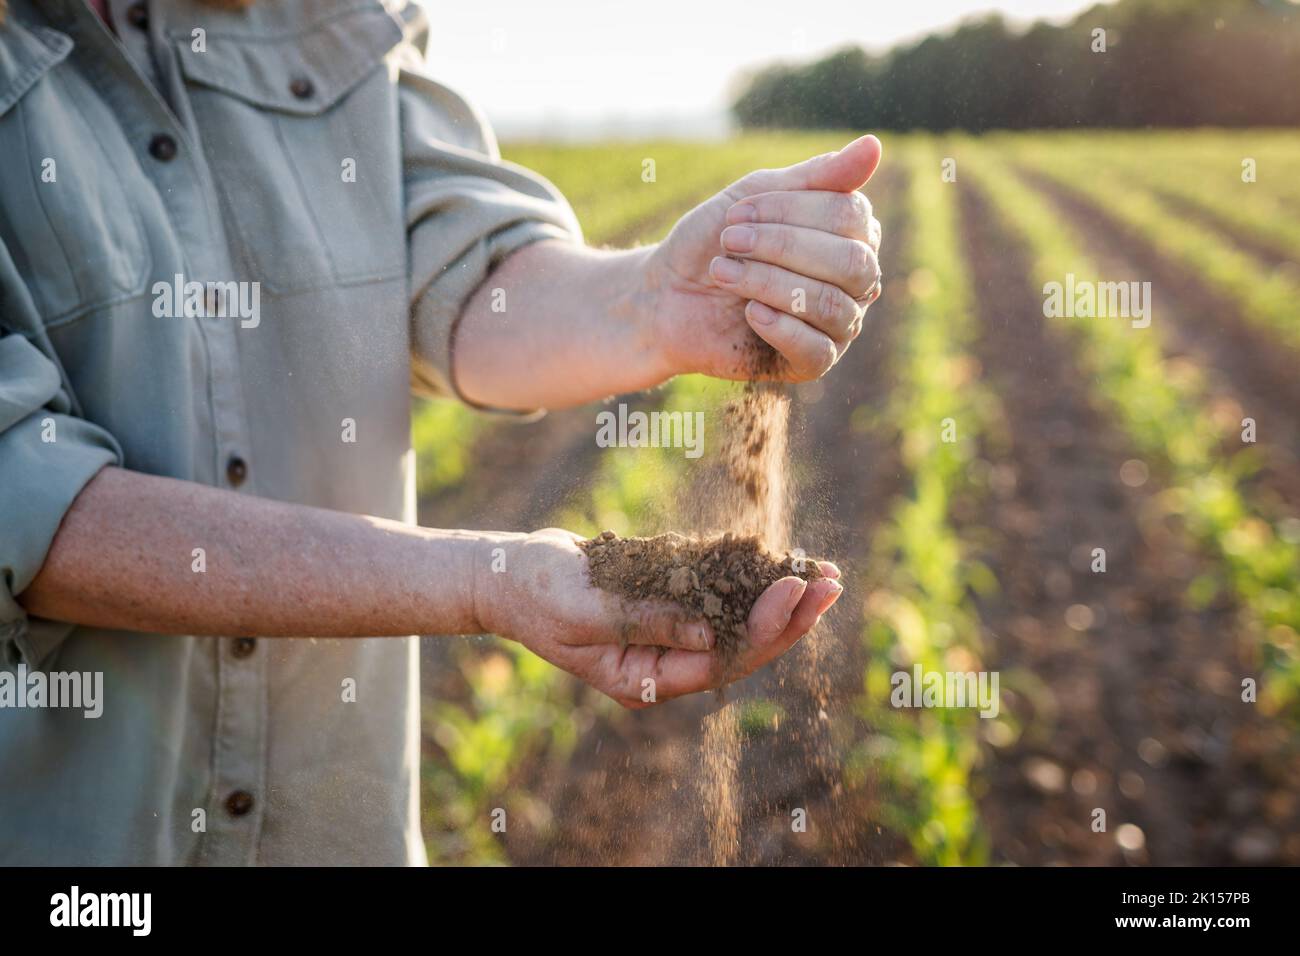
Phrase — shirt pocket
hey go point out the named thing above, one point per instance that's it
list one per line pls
(74, 234)
(301, 133)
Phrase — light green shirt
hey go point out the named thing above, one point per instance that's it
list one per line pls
(299, 146)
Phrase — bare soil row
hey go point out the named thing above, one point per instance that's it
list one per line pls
(1134, 706)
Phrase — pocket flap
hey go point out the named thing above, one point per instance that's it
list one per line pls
(305, 72)
(27, 54)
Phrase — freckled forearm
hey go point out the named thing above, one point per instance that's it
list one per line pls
(557, 325)
(139, 552)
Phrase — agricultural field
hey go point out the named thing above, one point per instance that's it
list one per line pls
(1101, 509)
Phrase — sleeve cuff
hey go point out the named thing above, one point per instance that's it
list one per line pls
(436, 312)
(46, 458)
(38, 483)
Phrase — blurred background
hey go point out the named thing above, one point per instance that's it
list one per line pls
(1114, 528)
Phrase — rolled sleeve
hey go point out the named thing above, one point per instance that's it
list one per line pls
(466, 211)
(47, 455)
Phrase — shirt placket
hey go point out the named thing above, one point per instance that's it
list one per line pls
(168, 151)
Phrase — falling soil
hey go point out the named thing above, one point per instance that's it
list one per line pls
(740, 508)
(748, 494)
(717, 578)
(720, 763)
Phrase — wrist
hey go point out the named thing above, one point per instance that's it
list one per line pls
(640, 312)
(492, 559)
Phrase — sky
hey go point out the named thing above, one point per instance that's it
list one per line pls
(604, 67)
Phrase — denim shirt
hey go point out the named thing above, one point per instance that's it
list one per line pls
(226, 239)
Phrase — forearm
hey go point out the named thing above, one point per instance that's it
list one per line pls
(125, 557)
(576, 326)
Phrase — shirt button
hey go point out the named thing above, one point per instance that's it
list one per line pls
(301, 87)
(137, 14)
(162, 148)
(244, 647)
(236, 471)
(239, 803)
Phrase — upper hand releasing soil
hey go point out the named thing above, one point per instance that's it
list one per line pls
(717, 578)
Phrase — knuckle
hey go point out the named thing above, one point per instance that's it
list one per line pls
(846, 218)
(827, 356)
(742, 186)
(859, 262)
(782, 242)
(626, 687)
(817, 361)
(854, 211)
(864, 206)
(828, 303)
(771, 208)
(756, 181)
(662, 628)
(870, 267)
(628, 629)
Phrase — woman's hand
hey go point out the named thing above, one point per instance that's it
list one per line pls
(789, 253)
(637, 654)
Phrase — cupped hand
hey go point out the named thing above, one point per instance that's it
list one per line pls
(788, 253)
(636, 653)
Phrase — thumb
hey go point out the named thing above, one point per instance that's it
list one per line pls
(842, 171)
(656, 623)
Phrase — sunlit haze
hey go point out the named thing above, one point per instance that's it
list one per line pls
(590, 67)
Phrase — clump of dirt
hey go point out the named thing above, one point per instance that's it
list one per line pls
(717, 578)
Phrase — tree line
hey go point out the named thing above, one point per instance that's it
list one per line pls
(1133, 64)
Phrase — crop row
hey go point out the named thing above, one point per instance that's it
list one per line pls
(921, 612)
(1248, 208)
(1266, 298)
(1161, 406)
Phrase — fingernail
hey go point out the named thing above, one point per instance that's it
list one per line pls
(725, 270)
(795, 596)
(692, 635)
(739, 238)
(831, 598)
(828, 569)
(759, 315)
(705, 638)
(742, 212)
